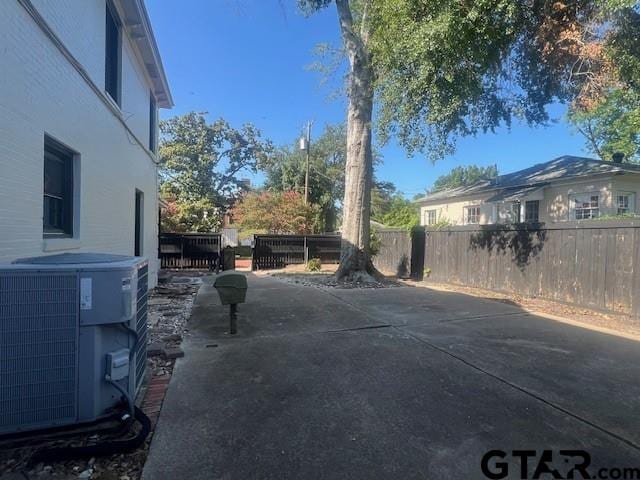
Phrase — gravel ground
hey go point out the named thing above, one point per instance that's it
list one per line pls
(618, 322)
(169, 310)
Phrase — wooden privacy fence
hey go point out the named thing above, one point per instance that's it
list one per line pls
(595, 264)
(396, 252)
(189, 250)
(278, 251)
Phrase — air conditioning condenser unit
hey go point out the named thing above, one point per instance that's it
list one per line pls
(73, 336)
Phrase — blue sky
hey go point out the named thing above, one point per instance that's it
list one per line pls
(246, 61)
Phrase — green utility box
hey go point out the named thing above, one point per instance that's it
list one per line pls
(232, 287)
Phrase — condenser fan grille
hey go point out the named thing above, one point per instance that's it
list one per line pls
(38, 350)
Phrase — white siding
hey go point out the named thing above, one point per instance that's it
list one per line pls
(40, 92)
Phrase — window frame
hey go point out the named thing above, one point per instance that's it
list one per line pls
(56, 151)
(593, 212)
(468, 216)
(428, 215)
(527, 218)
(111, 13)
(631, 203)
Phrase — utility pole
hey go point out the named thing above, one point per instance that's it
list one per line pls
(305, 144)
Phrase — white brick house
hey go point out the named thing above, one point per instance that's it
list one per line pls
(80, 85)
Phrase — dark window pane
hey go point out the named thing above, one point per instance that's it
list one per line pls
(112, 56)
(53, 176)
(53, 216)
(58, 189)
(532, 211)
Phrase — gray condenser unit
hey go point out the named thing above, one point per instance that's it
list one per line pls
(73, 328)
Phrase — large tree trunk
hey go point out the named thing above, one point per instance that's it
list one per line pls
(355, 260)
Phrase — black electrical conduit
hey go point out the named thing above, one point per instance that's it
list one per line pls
(100, 449)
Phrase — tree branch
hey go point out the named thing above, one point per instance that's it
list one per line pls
(591, 138)
(351, 40)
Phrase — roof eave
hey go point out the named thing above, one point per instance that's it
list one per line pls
(137, 20)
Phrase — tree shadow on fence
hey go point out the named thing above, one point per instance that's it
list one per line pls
(523, 244)
(403, 269)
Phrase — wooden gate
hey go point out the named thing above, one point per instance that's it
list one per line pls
(278, 251)
(189, 250)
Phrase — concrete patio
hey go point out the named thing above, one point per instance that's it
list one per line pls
(392, 383)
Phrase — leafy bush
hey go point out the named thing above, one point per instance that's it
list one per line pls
(442, 223)
(314, 265)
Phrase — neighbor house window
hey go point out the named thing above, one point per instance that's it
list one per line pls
(153, 122)
(58, 189)
(586, 206)
(112, 56)
(532, 211)
(624, 203)
(472, 215)
(431, 217)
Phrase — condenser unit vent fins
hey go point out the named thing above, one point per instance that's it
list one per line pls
(141, 324)
(38, 351)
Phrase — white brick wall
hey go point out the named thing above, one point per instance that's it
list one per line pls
(41, 92)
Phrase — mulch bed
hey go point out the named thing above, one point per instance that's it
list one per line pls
(328, 280)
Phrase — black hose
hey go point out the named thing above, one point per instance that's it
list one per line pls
(127, 398)
(100, 449)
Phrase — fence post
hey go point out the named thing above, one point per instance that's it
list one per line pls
(181, 251)
(306, 251)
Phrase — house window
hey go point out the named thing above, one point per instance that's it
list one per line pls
(472, 215)
(153, 122)
(58, 189)
(586, 206)
(112, 56)
(431, 217)
(624, 203)
(532, 211)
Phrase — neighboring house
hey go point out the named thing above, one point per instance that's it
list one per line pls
(567, 188)
(80, 89)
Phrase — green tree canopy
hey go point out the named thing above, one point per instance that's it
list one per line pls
(446, 68)
(612, 126)
(611, 121)
(464, 176)
(286, 172)
(201, 164)
(390, 208)
(276, 212)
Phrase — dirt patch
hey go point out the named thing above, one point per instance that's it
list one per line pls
(169, 309)
(617, 322)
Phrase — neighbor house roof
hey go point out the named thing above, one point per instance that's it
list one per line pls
(136, 20)
(530, 179)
